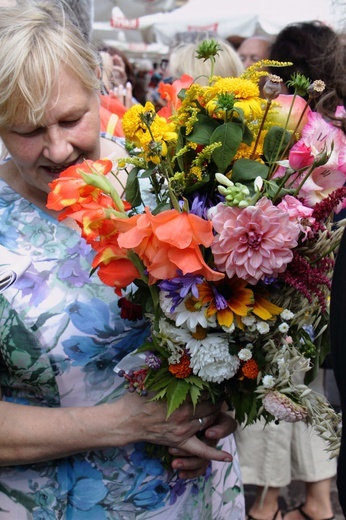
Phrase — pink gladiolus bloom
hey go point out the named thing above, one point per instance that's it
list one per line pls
(321, 136)
(318, 136)
(253, 242)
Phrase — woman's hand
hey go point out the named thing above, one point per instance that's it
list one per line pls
(191, 466)
(145, 420)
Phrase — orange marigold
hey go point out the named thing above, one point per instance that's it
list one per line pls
(250, 369)
(181, 369)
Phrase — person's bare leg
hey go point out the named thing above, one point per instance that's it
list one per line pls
(265, 507)
(317, 502)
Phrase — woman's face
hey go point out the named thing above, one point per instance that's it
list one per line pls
(70, 133)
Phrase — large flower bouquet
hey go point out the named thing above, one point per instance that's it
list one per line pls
(224, 239)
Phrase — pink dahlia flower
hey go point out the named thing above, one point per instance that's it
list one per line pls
(253, 242)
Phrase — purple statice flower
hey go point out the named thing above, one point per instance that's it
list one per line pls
(180, 286)
(153, 361)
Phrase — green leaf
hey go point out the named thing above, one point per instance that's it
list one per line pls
(177, 391)
(162, 206)
(159, 395)
(230, 135)
(246, 170)
(198, 185)
(195, 393)
(247, 135)
(161, 381)
(145, 174)
(202, 130)
(132, 189)
(275, 143)
(194, 380)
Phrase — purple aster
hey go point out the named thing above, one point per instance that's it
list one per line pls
(200, 203)
(180, 286)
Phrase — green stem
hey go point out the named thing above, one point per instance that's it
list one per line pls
(296, 127)
(269, 102)
(310, 170)
(137, 262)
(273, 165)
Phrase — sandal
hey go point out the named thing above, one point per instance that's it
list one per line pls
(250, 517)
(305, 515)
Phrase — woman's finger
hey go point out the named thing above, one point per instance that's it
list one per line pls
(196, 447)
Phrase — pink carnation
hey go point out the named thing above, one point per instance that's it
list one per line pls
(253, 242)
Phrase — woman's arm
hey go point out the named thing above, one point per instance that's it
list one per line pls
(31, 434)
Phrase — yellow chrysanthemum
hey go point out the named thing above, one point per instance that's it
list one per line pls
(156, 130)
(132, 122)
(246, 93)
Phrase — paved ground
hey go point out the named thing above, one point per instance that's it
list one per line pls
(293, 496)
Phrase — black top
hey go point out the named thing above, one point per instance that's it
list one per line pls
(338, 352)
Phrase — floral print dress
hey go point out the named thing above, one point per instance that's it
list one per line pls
(60, 338)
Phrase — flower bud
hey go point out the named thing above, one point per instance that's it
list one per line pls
(272, 87)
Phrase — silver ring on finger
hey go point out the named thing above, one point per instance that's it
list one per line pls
(201, 423)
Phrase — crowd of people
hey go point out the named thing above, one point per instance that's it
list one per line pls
(72, 442)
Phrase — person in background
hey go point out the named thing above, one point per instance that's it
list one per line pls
(116, 96)
(74, 443)
(328, 104)
(272, 456)
(308, 45)
(182, 60)
(253, 49)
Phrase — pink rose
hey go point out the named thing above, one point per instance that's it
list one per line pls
(300, 156)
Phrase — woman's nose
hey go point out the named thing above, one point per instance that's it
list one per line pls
(57, 146)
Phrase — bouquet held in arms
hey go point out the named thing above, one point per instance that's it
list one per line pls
(224, 239)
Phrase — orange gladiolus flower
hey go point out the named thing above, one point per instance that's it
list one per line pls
(170, 93)
(70, 186)
(114, 268)
(168, 242)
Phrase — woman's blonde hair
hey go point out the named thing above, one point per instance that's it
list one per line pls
(37, 38)
(182, 60)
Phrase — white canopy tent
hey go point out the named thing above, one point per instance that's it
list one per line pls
(153, 33)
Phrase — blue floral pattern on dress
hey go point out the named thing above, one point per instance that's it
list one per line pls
(61, 336)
